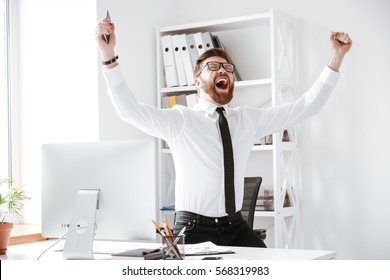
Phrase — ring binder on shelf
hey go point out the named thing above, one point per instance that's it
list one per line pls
(184, 50)
(169, 61)
(179, 61)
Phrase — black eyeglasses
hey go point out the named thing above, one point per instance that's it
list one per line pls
(215, 66)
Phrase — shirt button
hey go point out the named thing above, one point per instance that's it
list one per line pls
(216, 220)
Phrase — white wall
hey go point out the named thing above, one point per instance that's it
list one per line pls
(345, 151)
(136, 28)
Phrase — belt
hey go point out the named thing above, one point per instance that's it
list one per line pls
(185, 216)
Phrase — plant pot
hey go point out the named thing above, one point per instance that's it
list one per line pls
(5, 232)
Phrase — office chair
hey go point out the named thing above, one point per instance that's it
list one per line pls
(251, 191)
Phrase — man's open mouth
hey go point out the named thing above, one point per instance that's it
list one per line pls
(222, 83)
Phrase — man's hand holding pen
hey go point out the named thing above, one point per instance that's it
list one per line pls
(106, 40)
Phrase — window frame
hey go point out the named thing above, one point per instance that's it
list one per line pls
(6, 107)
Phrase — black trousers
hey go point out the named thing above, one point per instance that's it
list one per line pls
(230, 230)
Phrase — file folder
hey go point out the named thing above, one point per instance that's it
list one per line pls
(192, 99)
(216, 42)
(203, 41)
(184, 50)
(181, 100)
(179, 61)
(192, 49)
(199, 42)
(169, 61)
(207, 41)
(164, 102)
(171, 100)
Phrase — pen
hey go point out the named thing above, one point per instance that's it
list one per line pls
(107, 37)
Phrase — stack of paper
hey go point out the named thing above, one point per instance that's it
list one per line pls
(205, 248)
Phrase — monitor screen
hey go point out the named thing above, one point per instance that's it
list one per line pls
(124, 172)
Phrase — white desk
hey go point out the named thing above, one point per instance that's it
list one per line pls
(31, 251)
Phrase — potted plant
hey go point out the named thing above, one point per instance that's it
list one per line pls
(11, 202)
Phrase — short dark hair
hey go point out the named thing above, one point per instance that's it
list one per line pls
(209, 53)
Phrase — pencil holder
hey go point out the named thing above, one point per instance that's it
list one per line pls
(173, 247)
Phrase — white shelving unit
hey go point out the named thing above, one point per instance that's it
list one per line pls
(262, 47)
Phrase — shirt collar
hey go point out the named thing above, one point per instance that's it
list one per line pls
(209, 107)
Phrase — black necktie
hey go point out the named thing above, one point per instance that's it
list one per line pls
(230, 202)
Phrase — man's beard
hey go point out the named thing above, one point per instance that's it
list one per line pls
(221, 98)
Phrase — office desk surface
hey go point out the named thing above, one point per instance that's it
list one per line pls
(104, 249)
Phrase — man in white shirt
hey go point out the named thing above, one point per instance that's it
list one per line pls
(194, 136)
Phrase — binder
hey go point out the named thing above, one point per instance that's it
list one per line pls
(192, 99)
(216, 42)
(179, 61)
(184, 50)
(181, 100)
(203, 41)
(207, 41)
(169, 61)
(199, 42)
(192, 49)
(171, 100)
(164, 102)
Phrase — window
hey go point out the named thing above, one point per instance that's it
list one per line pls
(5, 171)
(53, 85)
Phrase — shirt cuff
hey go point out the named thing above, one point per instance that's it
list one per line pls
(329, 77)
(114, 75)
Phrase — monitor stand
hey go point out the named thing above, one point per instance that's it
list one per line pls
(79, 241)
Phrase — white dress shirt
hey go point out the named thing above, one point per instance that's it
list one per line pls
(193, 137)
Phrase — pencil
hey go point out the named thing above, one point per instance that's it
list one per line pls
(158, 228)
(167, 230)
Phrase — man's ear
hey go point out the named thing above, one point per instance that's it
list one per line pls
(198, 83)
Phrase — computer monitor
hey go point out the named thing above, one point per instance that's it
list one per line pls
(123, 172)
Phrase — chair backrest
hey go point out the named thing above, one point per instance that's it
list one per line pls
(251, 191)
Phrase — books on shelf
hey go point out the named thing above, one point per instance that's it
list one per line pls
(265, 200)
(267, 140)
(188, 100)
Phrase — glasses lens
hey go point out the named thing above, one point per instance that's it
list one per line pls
(228, 67)
(213, 66)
